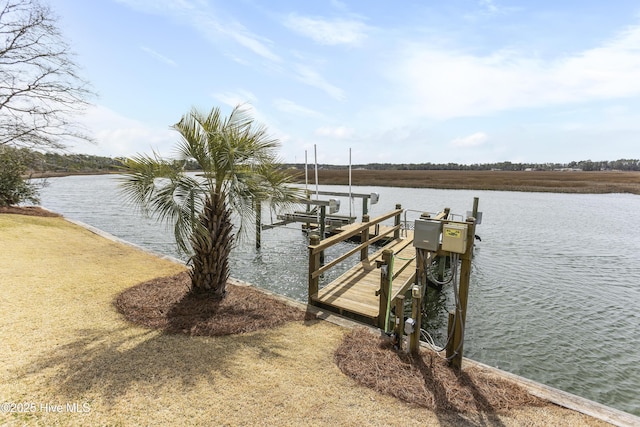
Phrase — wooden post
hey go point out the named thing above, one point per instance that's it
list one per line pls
(258, 224)
(442, 266)
(396, 234)
(474, 211)
(307, 210)
(314, 265)
(450, 348)
(364, 237)
(323, 217)
(365, 210)
(399, 326)
(385, 288)
(420, 268)
(465, 276)
(416, 314)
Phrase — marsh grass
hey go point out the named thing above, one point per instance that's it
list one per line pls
(531, 181)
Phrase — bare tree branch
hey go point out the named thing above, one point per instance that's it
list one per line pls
(40, 86)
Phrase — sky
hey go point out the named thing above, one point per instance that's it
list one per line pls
(461, 81)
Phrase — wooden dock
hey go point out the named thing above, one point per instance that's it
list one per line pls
(374, 290)
(355, 292)
(365, 291)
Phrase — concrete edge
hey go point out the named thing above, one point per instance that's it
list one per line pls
(113, 238)
(558, 397)
(562, 398)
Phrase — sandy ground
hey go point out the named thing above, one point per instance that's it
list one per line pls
(68, 358)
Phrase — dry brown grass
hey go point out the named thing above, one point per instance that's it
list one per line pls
(63, 342)
(27, 210)
(534, 181)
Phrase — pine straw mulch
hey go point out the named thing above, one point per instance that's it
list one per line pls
(27, 210)
(165, 303)
(426, 380)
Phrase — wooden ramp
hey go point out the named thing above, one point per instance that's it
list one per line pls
(354, 293)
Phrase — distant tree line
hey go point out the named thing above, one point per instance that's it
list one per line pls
(55, 162)
(38, 162)
(585, 165)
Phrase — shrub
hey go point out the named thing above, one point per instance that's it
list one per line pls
(15, 187)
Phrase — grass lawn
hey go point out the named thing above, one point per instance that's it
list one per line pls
(69, 358)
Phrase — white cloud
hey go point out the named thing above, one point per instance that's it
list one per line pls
(326, 32)
(239, 97)
(442, 84)
(489, 5)
(291, 107)
(246, 38)
(473, 140)
(117, 135)
(159, 56)
(340, 132)
(200, 16)
(312, 78)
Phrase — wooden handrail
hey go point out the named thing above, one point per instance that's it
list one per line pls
(330, 241)
(346, 255)
(316, 247)
(396, 273)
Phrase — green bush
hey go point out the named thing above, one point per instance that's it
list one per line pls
(15, 188)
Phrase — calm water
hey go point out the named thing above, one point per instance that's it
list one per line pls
(555, 287)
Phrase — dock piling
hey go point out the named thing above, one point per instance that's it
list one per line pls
(455, 350)
(364, 237)
(314, 264)
(416, 314)
(386, 268)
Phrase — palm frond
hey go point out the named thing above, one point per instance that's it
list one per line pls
(240, 169)
(161, 189)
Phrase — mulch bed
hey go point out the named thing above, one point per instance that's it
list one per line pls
(165, 303)
(27, 210)
(425, 380)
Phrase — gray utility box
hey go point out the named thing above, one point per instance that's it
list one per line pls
(426, 234)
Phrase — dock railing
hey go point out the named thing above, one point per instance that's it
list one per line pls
(317, 247)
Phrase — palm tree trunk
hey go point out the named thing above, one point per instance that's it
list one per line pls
(211, 244)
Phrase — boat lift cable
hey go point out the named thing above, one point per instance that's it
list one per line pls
(427, 337)
(427, 266)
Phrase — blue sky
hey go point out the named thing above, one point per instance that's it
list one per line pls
(474, 81)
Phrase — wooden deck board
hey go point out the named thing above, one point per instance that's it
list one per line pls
(355, 290)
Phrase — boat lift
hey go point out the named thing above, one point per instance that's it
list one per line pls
(317, 217)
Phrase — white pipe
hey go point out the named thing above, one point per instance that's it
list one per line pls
(306, 173)
(350, 197)
(315, 155)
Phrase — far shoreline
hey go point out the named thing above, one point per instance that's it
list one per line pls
(577, 182)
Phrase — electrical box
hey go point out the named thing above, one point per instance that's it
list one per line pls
(426, 234)
(478, 217)
(334, 206)
(409, 326)
(454, 237)
(374, 198)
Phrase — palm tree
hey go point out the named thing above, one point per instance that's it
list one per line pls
(240, 169)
